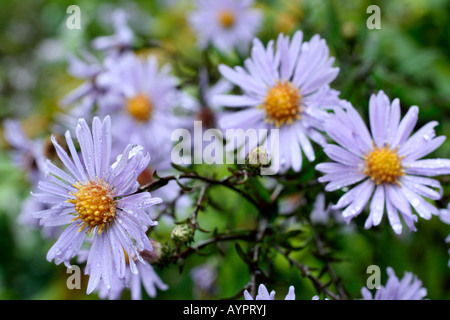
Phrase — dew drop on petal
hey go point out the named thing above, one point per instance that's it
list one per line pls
(397, 228)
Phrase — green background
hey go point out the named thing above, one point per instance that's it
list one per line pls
(407, 58)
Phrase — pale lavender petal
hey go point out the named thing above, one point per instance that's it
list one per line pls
(84, 137)
(405, 127)
(423, 208)
(358, 204)
(350, 195)
(291, 294)
(429, 167)
(419, 150)
(376, 207)
(379, 112)
(420, 185)
(236, 100)
(341, 155)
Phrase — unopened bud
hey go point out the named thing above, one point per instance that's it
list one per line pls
(155, 255)
(182, 233)
(258, 157)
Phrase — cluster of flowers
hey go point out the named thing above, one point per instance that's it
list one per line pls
(285, 85)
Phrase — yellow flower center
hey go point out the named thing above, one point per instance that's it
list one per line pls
(383, 165)
(94, 204)
(282, 104)
(226, 18)
(140, 108)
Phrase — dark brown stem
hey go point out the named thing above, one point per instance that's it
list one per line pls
(218, 238)
(306, 272)
(225, 182)
(334, 277)
(256, 250)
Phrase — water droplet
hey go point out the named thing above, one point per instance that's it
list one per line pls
(415, 202)
(397, 228)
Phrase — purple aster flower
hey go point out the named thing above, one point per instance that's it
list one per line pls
(408, 288)
(230, 23)
(204, 278)
(97, 200)
(385, 161)
(263, 294)
(148, 95)
(206, 109)
(95, 90)
(27, 154)
(286, 90)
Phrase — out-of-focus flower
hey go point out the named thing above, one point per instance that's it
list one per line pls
(321, 213)
(408, 288)
(227, 24)
(144, 111)
(94, 91)
(205, 109)
(98, 200)
(27, 154)
(387, 161)
(263, 294)
(286, 90)
(204, 278)
(123, 37)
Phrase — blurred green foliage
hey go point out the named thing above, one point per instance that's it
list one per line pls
(408, 58)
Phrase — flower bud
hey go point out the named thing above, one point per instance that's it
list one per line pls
(155, 255)
(182, 233)
(258, 157)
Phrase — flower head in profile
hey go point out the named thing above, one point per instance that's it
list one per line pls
(263, 294)
(385, 163)
(286, 89)
(408, 288)
(227, 24)
(97, 200)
